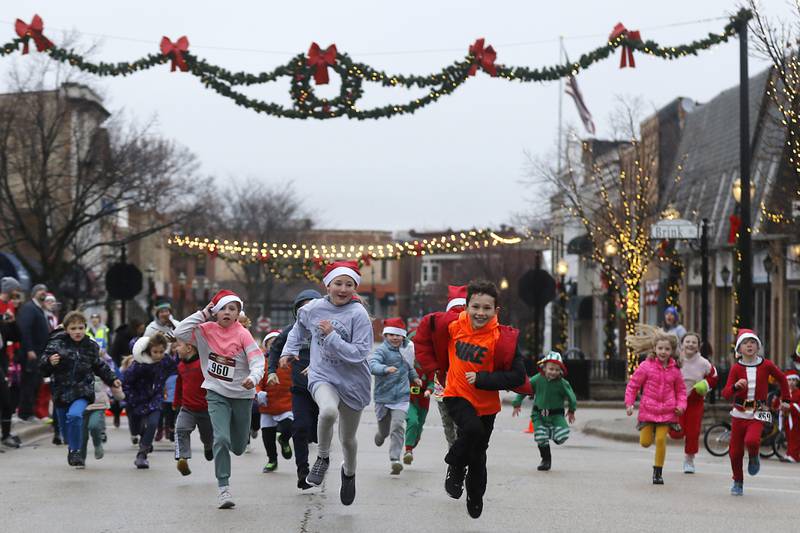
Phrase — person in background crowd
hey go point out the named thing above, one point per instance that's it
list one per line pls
(99, 332)
(163, 322)
(672, 323)
(121, 342)
(9, 333)
(34, 331)
(50, 304)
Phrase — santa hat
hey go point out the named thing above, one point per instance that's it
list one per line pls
(223, 298)
(553, 357)
(50, 297)
(341, 268)
(271, 335)
(456, 296)
(745, 334)
(394, 326)
(792, 374)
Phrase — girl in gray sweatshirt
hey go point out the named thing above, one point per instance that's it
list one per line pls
(338, 374)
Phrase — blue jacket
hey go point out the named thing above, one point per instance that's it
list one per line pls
(299, 380)
(391, 388)
(143, 384)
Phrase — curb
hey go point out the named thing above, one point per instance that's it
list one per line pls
(599, 428)
(29, 432)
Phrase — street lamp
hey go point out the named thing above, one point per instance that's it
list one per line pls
(736, 190)
(745, 247)
(610, 250)
(725, 274)
(503, 284)
(562, 269)
(151, 286)
(182, 291)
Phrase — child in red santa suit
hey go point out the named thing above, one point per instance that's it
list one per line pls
(792, 418)
(747, 386)
(700, 376)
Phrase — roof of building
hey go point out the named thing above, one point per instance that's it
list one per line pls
(708, 155)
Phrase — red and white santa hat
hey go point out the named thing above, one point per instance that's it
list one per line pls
(456, 296)
(50, 297)
(745, 334)
(553, 357)
(395, 326)
(792, 374)
(223, 298)
(271, 335)
(341, 268)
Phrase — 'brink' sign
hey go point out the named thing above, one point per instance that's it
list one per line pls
(674, 229)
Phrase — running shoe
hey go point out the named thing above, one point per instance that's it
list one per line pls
(317, 474)
(224, 498)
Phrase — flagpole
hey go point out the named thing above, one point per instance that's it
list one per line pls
(560, 106)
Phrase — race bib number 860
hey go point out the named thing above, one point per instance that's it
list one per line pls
(764, 416)
(221, 367)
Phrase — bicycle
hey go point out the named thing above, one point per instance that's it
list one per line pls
(717, 439)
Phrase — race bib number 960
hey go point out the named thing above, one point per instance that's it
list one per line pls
(221, 367)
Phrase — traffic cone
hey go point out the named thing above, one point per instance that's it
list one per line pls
(530, 427)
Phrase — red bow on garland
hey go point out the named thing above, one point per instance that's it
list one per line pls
(264, 257)
(484, 57)
(627, 52)
(321, 61)
(213, 252)
(736, 223)
(33, 30)
(175, 51)
(366, 259)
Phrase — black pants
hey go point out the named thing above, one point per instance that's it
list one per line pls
(31, 379)
(167, 421)
(145, 426)
(268, 435)
(304, 427)
(6, 407)
(472, 441)
(116, 410)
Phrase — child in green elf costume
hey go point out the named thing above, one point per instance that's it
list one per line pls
(551, 391)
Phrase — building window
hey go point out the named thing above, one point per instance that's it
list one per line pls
(430, 273)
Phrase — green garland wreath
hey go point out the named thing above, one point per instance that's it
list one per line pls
(301, 70)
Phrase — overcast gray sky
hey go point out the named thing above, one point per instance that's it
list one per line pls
(456, 163)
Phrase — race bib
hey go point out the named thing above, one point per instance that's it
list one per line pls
(763, 416)
(221, 367)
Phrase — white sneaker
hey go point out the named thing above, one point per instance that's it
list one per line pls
(224, 498)
(688, 465)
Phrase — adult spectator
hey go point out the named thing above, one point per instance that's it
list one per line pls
(50, 306)
(34, 331)
(163, 322)
(672, 323)
(9, 292)
(121, 345)
(99, 332)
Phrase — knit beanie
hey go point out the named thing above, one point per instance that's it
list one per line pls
(9, 284)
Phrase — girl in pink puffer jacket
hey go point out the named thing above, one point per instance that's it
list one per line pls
(663, 391)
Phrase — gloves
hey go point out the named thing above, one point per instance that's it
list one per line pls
(701, 387)
(261, 398)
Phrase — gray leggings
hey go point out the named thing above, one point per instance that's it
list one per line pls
(393, 425)
(331, 406)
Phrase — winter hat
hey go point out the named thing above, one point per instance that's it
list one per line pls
(671, 310)
(50, 297)
(394, 326)
(9, 284)
(38, 287)
(271, 335)
(553, 357)
(456, 296)
(223, 298)
(792, 374)
(163, 305)
(341, 268)
(745, 334)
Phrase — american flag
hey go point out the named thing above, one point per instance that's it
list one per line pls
(573, 90)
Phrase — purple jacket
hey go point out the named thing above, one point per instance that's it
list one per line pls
(143, 384)
(663, 391)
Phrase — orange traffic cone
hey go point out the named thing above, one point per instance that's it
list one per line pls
(530, 427)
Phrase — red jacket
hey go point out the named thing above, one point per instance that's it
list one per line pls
(279, 397)
(764, 370)
(188, 387)
(431, 344)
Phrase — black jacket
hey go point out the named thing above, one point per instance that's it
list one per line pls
(299, 380)
(33, 328)
(504, 379)
(73, 376)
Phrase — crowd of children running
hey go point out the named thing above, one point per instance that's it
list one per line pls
(208, 372)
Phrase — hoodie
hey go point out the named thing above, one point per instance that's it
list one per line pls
(339, 358)
(299, 380)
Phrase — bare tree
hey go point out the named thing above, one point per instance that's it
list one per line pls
(71, 177)
(266, 213)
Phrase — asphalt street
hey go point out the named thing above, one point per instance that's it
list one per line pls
(595, 485)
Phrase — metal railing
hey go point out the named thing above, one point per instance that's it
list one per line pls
(607, 370)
